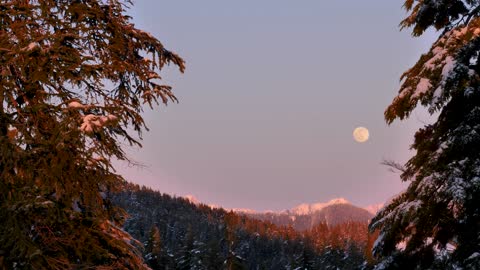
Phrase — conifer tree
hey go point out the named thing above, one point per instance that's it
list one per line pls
(438, 215)
(234, 262)
(185, 259)
(155, 255)
(74, 75)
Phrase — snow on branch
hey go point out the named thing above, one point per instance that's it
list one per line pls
(94, 122)
(429, 80)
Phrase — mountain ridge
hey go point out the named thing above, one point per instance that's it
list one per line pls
(301, 209)
(306, 216)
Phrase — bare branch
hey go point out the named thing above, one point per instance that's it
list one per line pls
(393, 166)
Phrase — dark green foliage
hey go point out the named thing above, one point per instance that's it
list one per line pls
(437, 13)
(435, 222)
(73, 77)
(155, 255)
(234, 262)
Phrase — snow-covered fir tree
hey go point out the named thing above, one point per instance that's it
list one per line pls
(435, 222)
(73, 78)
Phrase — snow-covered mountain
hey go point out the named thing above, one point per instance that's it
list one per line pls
(306, 216)
(307, 209)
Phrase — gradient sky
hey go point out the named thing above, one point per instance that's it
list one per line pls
(271, 95)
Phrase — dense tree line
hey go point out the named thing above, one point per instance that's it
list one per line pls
(178, 234)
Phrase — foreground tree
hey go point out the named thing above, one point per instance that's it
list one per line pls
(73, 78)
(435, 223)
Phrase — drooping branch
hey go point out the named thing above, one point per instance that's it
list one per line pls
(393, 166)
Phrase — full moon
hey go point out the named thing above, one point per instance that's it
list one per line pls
(361, 134)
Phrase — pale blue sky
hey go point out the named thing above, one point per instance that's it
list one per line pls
(270, 98)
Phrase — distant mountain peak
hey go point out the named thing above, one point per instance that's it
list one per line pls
(305, 216)
(306, 209)
(301, 209)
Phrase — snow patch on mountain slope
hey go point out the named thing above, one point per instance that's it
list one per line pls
(243, 210)
(306, 209)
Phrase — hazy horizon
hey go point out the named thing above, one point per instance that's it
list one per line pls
(270, 98)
